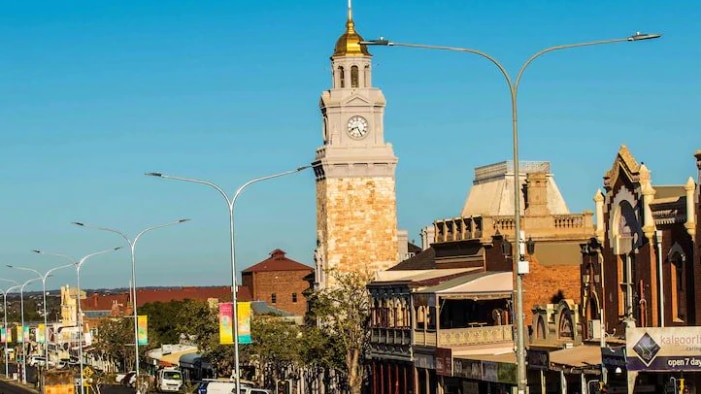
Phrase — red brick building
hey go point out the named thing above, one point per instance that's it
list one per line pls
(101, 305)
(279, 281)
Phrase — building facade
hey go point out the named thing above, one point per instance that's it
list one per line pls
(280, 282)
(355, 169)
(646, 278)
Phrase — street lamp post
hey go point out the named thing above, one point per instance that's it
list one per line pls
(232, 245)
(78, 264)
(43, 277)
(132, 247)
(4, 302)
(24, 345)
(521, 266)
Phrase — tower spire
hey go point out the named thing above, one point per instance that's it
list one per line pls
(349, 42)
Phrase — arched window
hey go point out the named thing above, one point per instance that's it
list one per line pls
(565, 325)
(341, 77)
(366, 76)
(354, 77)
(540, 329)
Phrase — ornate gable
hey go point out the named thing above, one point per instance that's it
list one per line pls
(624, 162)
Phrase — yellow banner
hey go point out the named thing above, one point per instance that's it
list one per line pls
(41, 330)
(143, 330)
(20, 334)
(244, 315)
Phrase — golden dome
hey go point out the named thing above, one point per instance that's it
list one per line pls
(349, 42)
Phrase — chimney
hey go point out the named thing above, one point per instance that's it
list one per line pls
(536, 194)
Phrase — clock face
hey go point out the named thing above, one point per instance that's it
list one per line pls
(357, 127)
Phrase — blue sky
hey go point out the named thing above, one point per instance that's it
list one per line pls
(94, 94)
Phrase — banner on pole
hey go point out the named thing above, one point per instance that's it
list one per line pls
(3, 338)
(19, 334)
(25, 336)
(142, 330)
(244, 322)
(226, 326)
(41, 330)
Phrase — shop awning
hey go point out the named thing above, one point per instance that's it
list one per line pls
(577, 356)
(478, 286)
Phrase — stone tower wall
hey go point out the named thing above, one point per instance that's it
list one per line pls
(357, 218)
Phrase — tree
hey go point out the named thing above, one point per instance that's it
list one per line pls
(115, 339)
(276, 345)
(200, 322)
(162, 327)
(343, 313)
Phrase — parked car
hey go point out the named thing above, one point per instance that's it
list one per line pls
(39, 361)
(214, 386)
(68, 363)
(127, 379)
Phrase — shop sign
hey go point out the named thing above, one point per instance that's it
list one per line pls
(424, 361)
(471, 369)
(663, 349)
(444, 362)
(507, 373)
(538, 359)
(613, 357)
(490, 371)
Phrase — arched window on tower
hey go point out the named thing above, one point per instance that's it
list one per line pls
(341, 77)
(366, 76)
(354, 77)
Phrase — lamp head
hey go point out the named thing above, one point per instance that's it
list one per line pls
(642, 36)
(530, 246)
(184, 220)
(379, 42)
(10, 266)
(302, 168)
(156, 174)
(79, 224)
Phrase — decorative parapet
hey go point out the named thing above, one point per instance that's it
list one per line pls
(458, 229)
(498, 170)
(425, 338)
(475, 336)
(480, 227)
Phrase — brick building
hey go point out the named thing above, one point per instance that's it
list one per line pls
(279, 281)
(464, 309)
(98, 305)
(646, 272)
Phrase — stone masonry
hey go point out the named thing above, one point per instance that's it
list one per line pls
(357, 219)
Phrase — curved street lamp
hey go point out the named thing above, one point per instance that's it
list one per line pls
(232, 245)
(4, 303)
(78, 264)
(521, 268)
(43, 277)
(24, 345)
(132, 247)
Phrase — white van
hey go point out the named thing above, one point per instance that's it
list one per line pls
(39, 361)
(169, 380)
(210, 386)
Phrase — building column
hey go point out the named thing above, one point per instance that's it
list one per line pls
(382, 378)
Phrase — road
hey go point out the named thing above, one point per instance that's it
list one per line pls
(7, 387)
(13, 388)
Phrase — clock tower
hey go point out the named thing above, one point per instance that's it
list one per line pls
(355, 183)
